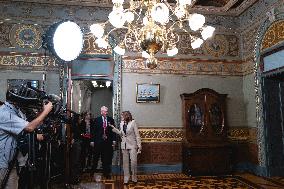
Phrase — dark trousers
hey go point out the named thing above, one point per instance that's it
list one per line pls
(105, 152)
(75, 160)
(86, 154)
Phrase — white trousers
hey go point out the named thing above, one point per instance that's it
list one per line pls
(132, 155)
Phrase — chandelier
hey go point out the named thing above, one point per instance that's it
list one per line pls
(154, 24)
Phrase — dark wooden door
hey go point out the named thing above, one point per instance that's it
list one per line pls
(273, 100)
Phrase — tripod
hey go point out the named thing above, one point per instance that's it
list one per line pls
(10, 167)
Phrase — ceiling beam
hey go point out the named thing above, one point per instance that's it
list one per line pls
(229, 5)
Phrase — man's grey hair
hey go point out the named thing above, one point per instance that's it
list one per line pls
(104, 108)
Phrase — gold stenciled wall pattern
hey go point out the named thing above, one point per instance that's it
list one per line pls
(90, 47)
(274, 35)
(161, 135)
(186, 66)
(26, 36)
(176, 134)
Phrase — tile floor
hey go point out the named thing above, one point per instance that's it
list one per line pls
(181, 181)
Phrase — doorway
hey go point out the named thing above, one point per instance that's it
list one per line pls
(273, 103)
(91, 95)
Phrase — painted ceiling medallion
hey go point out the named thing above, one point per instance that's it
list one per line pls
(26, 36)
(217, 46)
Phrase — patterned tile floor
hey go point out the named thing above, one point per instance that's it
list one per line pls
(181, 181)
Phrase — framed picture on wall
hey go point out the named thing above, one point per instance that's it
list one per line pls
(147, 93)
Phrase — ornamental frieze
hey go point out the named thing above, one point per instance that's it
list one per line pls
(185, 66)
(165, 66)
(23, 62)
(161, 135)
(176, 134)
(243, 134)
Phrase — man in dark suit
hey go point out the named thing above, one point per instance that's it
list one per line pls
(104, 140)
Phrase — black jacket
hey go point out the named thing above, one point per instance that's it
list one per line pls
(97, 131)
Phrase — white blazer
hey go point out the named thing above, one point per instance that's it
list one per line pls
(130, 140)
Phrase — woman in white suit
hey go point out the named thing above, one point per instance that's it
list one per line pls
(130, 145)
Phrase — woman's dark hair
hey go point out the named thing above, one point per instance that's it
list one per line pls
(127, 116)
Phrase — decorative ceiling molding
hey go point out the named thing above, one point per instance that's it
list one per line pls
(225, 10)
(102, 3)
(215, 7)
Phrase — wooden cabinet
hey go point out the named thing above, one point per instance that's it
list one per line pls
(205, 147)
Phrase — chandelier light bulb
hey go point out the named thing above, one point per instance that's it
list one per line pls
(185, 2)
(207, 32)
(101, 42)
(117, 8)
(160, 13)
(119, 50)
(116, 18)
(172, 52)
(129, 16)
(180, 12)
(118, 2)
(97, 30)
(145, 21)
(196, 21)
(196, 43)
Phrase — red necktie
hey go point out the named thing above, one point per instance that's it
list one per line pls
(104, 126)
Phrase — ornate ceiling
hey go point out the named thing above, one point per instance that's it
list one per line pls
(215, 7)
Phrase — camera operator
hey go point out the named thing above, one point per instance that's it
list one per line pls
(12, 122)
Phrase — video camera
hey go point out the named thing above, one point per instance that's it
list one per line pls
(31, 100)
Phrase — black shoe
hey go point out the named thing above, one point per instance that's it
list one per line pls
(75, 181)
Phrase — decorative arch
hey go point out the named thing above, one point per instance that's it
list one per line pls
(274, 35)
(269, 35)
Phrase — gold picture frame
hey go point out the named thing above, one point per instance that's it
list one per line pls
(147, 93)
